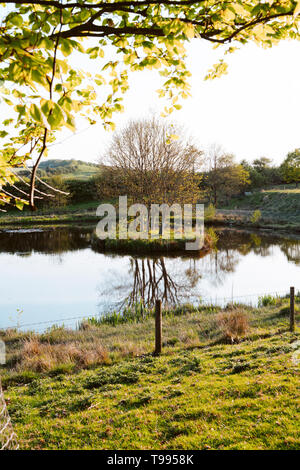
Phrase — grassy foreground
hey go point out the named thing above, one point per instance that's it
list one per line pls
(101, 388)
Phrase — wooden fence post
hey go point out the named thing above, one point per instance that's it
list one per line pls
(292, 309)
(158, 328)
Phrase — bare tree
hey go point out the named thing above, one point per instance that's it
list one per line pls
(151, 161)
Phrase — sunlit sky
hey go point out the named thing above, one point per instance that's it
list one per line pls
(252, 111)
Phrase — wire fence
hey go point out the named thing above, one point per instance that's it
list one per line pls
(8, 438)
(247, 299)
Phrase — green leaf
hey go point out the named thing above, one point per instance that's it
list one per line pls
(56, 118)
(16, 20)
(35, 113)
(66, 47)
(19, 204)
(38, 77)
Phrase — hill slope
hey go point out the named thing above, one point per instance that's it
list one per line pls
(278, 209)
(272, 200)
(68, 169)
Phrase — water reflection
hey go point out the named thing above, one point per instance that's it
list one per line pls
(151, 281)
(231, 243)
(192, 279)
(46, 241)
(291, 251)
(60, 276)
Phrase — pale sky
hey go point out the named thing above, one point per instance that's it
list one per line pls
(252, 111)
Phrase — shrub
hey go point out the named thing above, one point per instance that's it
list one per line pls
(42, 357)
(212, 237)
(233, 325)
(266, 300)
(60, 199)
(130, 314)
(256, 216)
(82, 191)
(210, 212)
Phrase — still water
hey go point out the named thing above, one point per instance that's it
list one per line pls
(54, 276)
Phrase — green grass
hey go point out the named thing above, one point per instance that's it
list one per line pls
(129, 314)
(266, 300)
(70, 213)
(199, 394)
(76, 213)
(277, 209)
(273, 200)
(67, 169)
(146, 246)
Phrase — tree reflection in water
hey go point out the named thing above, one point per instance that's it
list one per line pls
(48, 240)
(152, 281)
(189, 279)
(291, 249)
(135, 280)
(149, 279)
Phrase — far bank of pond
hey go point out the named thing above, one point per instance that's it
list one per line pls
(281, 217)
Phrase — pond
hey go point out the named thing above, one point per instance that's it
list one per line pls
(53, 276)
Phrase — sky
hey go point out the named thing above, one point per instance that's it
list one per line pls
(252, 111)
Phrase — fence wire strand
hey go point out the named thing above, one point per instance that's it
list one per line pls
(8, 438)
(204, 301)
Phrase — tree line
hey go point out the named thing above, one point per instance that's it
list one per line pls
(155, 161)
(264, 173)
(225, 178)
(45, 90)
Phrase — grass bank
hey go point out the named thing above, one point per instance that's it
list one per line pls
(160, 245)
(218, 384)
(73, 214)
(274, 209)
(84, 214)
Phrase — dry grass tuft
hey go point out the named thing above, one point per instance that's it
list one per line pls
(128, 348)
(42, 357)
(189, 337)
(233, 325)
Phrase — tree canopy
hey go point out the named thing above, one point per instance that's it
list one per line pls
(290, 168)
(150, 165)
(224, 177)
(45, 90)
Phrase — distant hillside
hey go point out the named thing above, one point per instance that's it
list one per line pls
(68, 169)
(278, 200)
